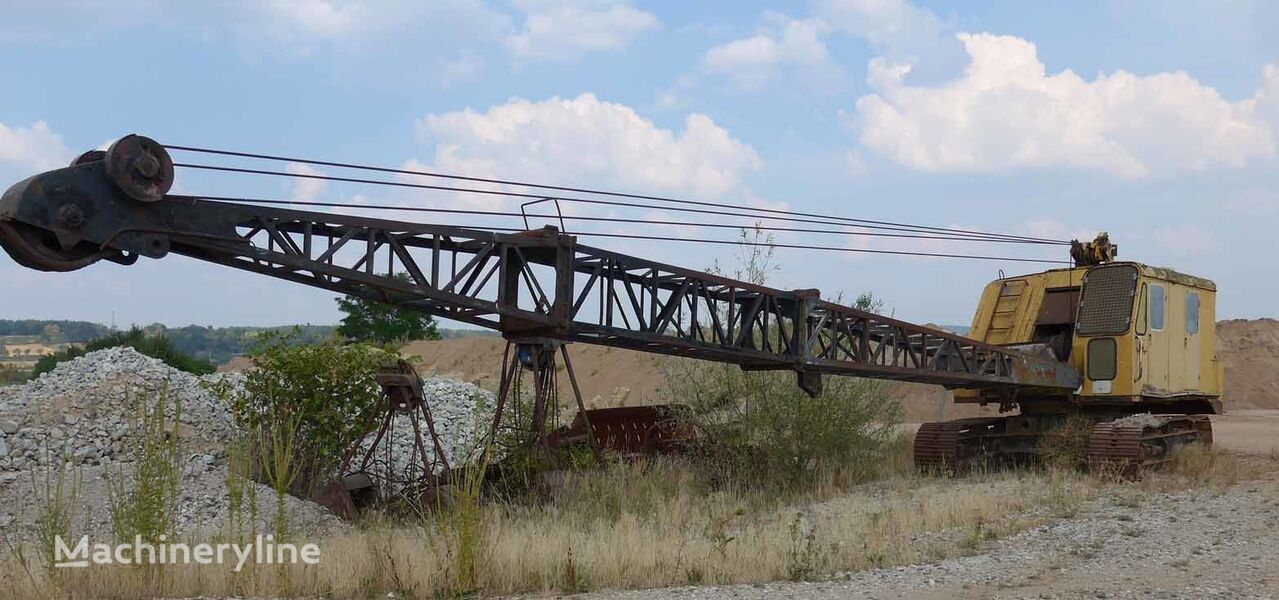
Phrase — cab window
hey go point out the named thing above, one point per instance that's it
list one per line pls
(1142, 321)
(1192, 312)
(1157, 293)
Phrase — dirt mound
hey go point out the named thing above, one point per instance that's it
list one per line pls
(1249, 350)
(608, 376)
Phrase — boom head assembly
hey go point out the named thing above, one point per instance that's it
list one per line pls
(52, 222)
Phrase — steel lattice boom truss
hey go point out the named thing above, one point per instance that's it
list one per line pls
(535, 283)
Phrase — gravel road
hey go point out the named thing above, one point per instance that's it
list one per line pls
(1197, 544)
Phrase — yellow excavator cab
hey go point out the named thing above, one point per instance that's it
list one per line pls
(1139, 334)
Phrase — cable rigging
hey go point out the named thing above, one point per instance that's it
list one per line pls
(878, 229)
(826, 218)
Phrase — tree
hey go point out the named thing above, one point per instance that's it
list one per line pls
(378, 322)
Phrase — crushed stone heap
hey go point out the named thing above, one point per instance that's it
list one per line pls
(85, 408)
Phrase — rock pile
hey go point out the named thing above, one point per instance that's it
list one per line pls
(82, 418)
(86, 408)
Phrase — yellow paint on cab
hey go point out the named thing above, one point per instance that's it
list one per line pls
(1165, 353)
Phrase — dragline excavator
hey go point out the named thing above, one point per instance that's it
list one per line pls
(1127, 346)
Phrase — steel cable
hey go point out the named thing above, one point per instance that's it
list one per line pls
(250, 201)
(845, 220)
(492, 213)
(959, 235)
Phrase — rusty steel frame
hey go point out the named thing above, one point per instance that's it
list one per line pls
(539, 283)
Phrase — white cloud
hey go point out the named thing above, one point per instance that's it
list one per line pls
(566, 30)
(585, 140)
(305, 189)
(1006, 113)
(34, 148)
(894, 25)
(320, 17)
(465, 66)
(753, 62)
(1255, 201)
(410, 27)
(1186, 240)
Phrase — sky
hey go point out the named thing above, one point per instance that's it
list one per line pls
(1156, 121)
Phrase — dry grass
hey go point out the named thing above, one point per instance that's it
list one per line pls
(653, 524)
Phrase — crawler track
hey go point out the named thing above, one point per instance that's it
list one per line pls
(1129, 445)
(1124, 446)
(946, 446)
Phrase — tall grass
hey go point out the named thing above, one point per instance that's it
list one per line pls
(657, 523)
(144, 503)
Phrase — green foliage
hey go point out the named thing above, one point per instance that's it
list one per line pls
(314, 398)
(378, 322)
(10, 374)
(153, 346)
(58, 496)
(146, 504)
(760, 430)
(220, 344)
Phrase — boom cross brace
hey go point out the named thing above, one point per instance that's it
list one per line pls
(537, 283)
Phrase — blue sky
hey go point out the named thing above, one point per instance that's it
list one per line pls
(1155, 121)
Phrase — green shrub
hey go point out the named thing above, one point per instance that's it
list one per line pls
(154, 346)
(314, 398)
(11, 375)
(760, 430)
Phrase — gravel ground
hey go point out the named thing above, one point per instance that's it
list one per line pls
(1196, 544)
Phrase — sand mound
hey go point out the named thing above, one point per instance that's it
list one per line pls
(1249, 350)
(617, 377)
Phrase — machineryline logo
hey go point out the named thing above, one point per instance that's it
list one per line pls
(263, 551)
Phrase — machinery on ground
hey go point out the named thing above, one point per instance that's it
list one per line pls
(1106, 340)
(1143, 340)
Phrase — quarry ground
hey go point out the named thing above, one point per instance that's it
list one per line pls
(1209, 542)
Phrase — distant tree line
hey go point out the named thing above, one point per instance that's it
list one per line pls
(54, 332)
(155, 346)
(220, 344)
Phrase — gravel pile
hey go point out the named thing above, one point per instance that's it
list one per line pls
(85, 414)
(87, 407)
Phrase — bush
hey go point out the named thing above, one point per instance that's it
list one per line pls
(154, 346)
(314, 399)
(10, 374)
(760, 430)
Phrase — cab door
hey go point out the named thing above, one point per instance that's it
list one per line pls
(1190, 342)
(1156, 343)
